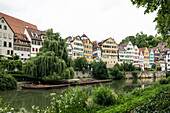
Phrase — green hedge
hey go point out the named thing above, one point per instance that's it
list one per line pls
(7, 82)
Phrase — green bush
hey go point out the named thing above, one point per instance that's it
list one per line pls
(73, 101)
(152, 69)
(7, 82)
(115, 73)
(163, 81)
(103, 96)
(83, 70)
(167, 73)
(71, 72)
(135, 75)
(168, 79)
(158, 69)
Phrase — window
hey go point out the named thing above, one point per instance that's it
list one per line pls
(22, 54)
(28, 54)
(9, 36)
(8, 52)
(25, 49)
(36, 49)
(90, 57)
(15, 48)
(0, 34)
(5, 44)
(18, 48)
(0, 43)
(22, 49)
(10, 45)
(2, 21)
(5, 27)
(5, 35)
(32, 49)
(28, 49)
(11, 52)
(0, 51)
(0, 26)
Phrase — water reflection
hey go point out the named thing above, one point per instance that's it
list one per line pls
(27, 98)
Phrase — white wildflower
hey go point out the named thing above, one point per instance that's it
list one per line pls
(53, 94)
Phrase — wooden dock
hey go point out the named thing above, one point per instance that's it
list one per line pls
(30, 86)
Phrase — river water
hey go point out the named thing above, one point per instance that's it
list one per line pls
(24, 98)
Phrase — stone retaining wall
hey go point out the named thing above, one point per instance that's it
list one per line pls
(146, 74)
(79, 74)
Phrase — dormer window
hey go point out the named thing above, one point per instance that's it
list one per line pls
(34, 35)
(2, 21)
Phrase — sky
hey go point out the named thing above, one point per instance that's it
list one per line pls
(98, 19)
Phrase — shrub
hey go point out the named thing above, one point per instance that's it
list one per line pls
(103, 95)
(167, 73)
(7, 82)
(116, 73)
(83, 70)
(158, 69)
(71, 72)
(168, 79)
(135, 75)
(163, 81)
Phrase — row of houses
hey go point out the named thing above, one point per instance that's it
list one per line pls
(111, 52)
(18, 37)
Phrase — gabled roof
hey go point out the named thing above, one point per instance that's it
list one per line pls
(17, 25)
(35, 31)
(154, 48)
(107, 39)
(22, 37)
(83, 35)
(124, 44)
(7, 23)
(84, 40)
(142, 49)
(161, 44)
(69, 38)
(76, 38)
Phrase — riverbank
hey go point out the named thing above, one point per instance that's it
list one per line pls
(28, 98)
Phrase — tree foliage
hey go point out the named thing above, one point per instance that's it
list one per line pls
(52, 60)
(163, 15)
(80, 63)
(142, 40)
(99, 70)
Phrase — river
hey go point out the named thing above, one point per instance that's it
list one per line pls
(22, 98)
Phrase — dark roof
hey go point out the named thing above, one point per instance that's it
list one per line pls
(35, 31)
(17, 25)
(69, 38)
(107, 39)
(22, 37)
(16, 43)
(83, 35)
(124, 44)
(142, 49)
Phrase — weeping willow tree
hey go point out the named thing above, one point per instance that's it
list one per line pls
(52, 62)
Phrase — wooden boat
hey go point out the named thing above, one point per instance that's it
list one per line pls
(63, 85)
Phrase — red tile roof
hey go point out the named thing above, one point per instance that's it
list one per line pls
(16, 43)
(35, 31)
(17, 25)
(22, 37)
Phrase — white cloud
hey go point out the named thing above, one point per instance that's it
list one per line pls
(98, 19)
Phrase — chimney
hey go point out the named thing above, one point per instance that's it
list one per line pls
(156, 35)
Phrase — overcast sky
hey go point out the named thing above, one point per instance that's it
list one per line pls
(98, 19)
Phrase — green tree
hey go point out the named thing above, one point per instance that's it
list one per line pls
(163, 15)
(100, 70)
(80, 63)
(52, 60)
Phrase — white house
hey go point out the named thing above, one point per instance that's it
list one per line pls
(168, 61)
(69, 46)
(126, 52)
(36, 38)
(96, 52)
(136, 56)
(141, 60)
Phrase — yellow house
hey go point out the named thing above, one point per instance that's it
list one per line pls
(109, 52)
(145, 52)
(88, 51)
(78, 48)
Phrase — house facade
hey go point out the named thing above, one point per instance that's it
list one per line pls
(78, 48)
(6, 38)
(96, 52)
(168, 61)
(36, 38)
(126, 52)
(157, 57)
(141, 59)
(22, 47)
(88, 50)
(145, 52)
(69, 46)
(109, 52)
(136, 56)
(151, 58)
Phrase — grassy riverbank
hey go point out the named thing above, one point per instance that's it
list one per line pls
(103, 99)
